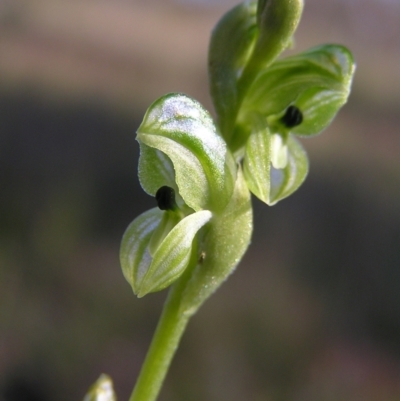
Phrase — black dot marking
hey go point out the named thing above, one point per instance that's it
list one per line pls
(292, 117)
(165, 197)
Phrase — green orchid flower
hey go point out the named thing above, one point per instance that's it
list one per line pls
(299, 95)
(187, 166)
(262, 102)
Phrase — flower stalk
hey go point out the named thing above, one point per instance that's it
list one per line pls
(165, 341)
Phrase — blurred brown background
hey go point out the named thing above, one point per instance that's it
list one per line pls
(313, 311)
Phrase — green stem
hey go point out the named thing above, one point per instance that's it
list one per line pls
(169, 331)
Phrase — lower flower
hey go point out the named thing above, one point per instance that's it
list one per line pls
(156, 246)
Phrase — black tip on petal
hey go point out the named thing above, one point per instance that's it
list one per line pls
(292, 117)
(165, 197)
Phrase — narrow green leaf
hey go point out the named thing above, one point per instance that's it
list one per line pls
(135, 256)
(102, 390)
(317, 82)
(172, 256)
(231, 43)
(287, 180)
(257, 160)
(204, 170)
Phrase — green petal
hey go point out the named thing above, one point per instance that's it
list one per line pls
(204, 170)
(102, 390)
(169, 220)
(172, 256)
(135, 256)
(155, 170)
(287, 180)
(317, 82)
(279, 151)
(231, 43)
(257, 160)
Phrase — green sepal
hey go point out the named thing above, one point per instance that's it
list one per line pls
(317, 82)
(169, 220)
(268, 183)
(231, 43)
(101, 390)
(257, 160)
(285, 181)
(222, 245)
(179, 127)
(155, 170)
(172, 256)
(150, 270)
(135, 256)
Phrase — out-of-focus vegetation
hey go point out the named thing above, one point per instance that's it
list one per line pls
(313, 311)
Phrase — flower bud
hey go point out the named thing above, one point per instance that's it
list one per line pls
(102, 390)
(301, 93)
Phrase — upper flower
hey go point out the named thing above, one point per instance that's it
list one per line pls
(261, 102)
